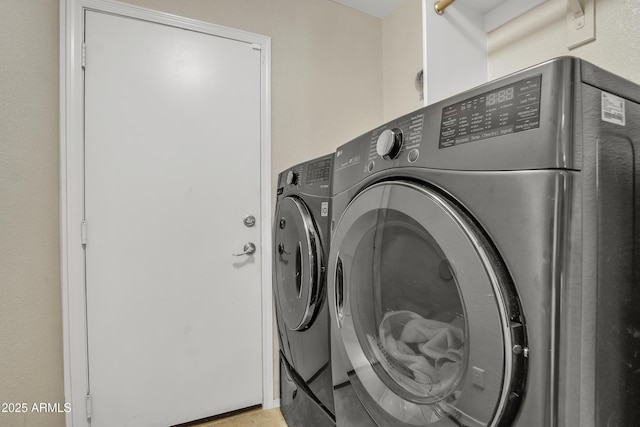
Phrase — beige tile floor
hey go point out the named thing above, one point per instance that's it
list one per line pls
(250, 418)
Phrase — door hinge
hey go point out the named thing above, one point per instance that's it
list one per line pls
(256, 46)
(83, 55)
(83, 232)
(88, 406)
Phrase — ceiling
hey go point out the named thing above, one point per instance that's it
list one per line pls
(381, 8)
(377, 8)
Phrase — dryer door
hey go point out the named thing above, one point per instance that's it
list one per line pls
(427, 319)
(298, 264)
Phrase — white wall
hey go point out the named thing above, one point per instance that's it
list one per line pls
(402, 58)
(540, 35)
(455, 50)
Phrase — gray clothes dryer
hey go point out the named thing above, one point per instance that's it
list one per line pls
(301, 247)
(485, 258)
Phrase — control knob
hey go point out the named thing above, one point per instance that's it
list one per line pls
(389, 143)
(292, 178)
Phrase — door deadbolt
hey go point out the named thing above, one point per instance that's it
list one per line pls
(249, 220)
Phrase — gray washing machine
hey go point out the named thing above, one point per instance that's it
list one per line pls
(301, 247)
(485, 258)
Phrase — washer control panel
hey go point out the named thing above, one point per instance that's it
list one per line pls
(313, 177)
(319, 171)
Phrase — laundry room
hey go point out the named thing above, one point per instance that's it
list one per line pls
(82, 346)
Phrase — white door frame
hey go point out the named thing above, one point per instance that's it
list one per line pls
(76, 370)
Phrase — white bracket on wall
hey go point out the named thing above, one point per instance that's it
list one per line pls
(581, 22)
(577, 13)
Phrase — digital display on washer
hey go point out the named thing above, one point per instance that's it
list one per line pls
(318, 171)
(509, 109)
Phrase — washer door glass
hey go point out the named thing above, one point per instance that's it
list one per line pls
(425, 311)
(298, 266)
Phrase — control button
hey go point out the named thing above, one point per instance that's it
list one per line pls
(413, 155)
(389, 143)
(292, 178)
(371, 165)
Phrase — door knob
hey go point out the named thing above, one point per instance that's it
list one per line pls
(248, 249)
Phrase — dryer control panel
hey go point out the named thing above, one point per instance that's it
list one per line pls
(522, 121)
(508, 109)
(409, 128)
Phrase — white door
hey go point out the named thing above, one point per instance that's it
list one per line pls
(172, 167)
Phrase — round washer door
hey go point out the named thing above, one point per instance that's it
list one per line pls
(298, 264)
(427, 318)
